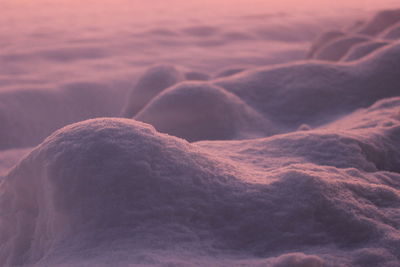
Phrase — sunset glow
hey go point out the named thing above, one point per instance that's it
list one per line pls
(199, 133)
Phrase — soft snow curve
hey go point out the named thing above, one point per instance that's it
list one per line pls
(117, 186)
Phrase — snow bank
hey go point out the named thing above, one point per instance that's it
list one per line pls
(286, 165)
(102, 179)
(381, 21)
(265, 101)
(314, 92)
(363, 49)
(358, 41)
(116, 189)
(9, 158)
(324, 39)
(156, 79)
(199, 111)
(196, 76)
(336, 49)
(392, 33)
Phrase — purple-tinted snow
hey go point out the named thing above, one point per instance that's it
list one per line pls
(146, 135)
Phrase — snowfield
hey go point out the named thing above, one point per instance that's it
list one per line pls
(223, 136)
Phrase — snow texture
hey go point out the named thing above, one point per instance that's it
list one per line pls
(223, 158)
(113, 182)
(199, 111)
(256, 103)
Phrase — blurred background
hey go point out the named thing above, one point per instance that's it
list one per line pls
(49, 43)
(63, 61)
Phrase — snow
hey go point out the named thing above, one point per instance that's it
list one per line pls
(155, 80)
(316, 92)
(363, 49)
(204, 112)
(391, 33)
(176, 134)
(113, 182)
(337, 48)
(381, 21)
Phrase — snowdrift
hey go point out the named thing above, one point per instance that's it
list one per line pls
(358, 41)
(363, 49)
(227, 161)
(265, 101)
(392, 33)
(325, 193)
(200, 111)
(108, 187)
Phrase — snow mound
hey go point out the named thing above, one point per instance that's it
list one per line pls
(199, 111)
(392, 33)
(363, 49)
(293, 165)
(381, 21)
(323, 40)
(270, 100)
(196, 76)
(367, 140)
(108, 189)
(359, 40)
(336, 49)
(102, 179)
(229, 72)
(9, 158)
(315, 93)
(152, 82)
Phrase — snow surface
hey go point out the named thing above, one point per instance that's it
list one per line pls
(381, 21)
(155, 80)
(198, 136)
(391, 33)
(363, 49)
(204, 112)
(337, 48)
